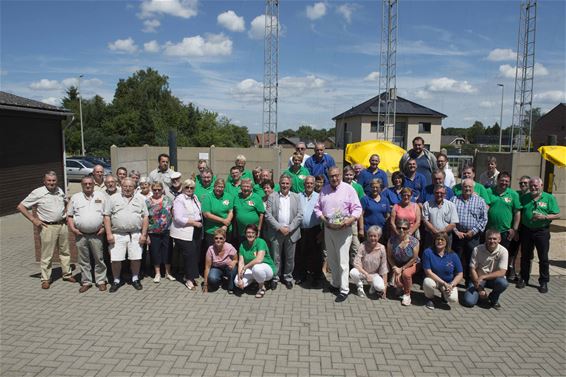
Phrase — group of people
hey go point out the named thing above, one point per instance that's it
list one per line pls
(249, 229)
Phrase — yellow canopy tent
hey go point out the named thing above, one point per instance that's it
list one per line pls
(389, 154)
(555, 154)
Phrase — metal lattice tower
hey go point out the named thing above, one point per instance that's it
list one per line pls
(387, 104)
(524, 75)
(270, 70)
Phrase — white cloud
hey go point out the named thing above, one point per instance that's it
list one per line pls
(316, 11)
(301, 83)
(123, 46)
(197, 46)
(177, 8)
(422, 94)
(486, 104)
(372, 76)
(150, 26)
(151, 47)
(53, 101)
(501, 54)
(551, 96)
(508, 71)
(257, 27)
(445, 84)
(231, 21)
(74, 81)
(45, 84)
(346, 10)
(248, 90)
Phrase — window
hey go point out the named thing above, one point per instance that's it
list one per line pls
(374, 128)
(424, 127)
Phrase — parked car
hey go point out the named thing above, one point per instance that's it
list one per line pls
(77, 168)
(95, 160)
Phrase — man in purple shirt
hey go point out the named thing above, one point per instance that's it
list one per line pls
(338, 207)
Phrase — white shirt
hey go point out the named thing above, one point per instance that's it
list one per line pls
(87, 212)
(126, 214)
(284, 215)
(449, 180)
(50, 205)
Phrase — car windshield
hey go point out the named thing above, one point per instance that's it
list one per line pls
(87, 164)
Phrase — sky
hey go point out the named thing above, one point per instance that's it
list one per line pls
(451, 54)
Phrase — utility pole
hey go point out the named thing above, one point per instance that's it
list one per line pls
(501, 117)
(83, 153)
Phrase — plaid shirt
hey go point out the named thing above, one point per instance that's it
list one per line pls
(472, 213)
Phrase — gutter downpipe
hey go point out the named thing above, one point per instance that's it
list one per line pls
(65, 126)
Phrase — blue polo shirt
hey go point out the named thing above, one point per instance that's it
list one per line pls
(418, 184)
(367, 176)
(428, 194)
(320, 167)
(394, 198)
(445, 267)
(375, 213)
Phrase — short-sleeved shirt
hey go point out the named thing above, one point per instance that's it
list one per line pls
(502, 209)
(393, 197)
(479, 189)
(220, 207)
(486, 262)
(249, 252)
(259, 191)
(247, 211)
(428, 194)
(320, 167)
(50, 205)
(87, 212)
(372, 261)
(232, 190)
(297, 179)
(126, 215)
(160, 215)
(445, 267)
(375, 212)
(545, 205)
(402, 255)
(440, 216)
(224, 260)
(201, 192)
(423, 167)
(359, 189)
(246, 174)
(160, 176)
(366, 176)
(417, 184)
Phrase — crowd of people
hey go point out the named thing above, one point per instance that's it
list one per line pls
(251, 230)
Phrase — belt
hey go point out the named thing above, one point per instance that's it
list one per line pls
(61, 222)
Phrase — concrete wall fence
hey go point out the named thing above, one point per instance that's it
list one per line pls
(220, 160)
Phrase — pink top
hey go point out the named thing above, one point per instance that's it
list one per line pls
(223, 260)
(336, 204)
(408, 213)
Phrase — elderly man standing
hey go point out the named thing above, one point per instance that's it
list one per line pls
(162, 173)
(367, 175)
(111, 185)
(300, 148)
(126, 223)
(468, 172)
(439, 215)
(283, 215)
(539, 209)
(338, 207)
(320, 162)
(98, 175)
(86, 220)
(488, 265)
(426, 161)
(50, 203)
(472, 216)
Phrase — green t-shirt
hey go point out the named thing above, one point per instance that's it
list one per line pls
(545, 205)
(478, 189)
(250, 252)
(297, 179)
(199, 181)
(258, 190)
(359, 189)
(502, 209)
(246, 174)
(231, 189)
(219, 207)
(201, 192)
(247, 211)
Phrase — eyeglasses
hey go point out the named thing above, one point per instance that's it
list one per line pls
(524, 183)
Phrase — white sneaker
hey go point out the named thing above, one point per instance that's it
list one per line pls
(157, 278)
(170, 277)
(361, 292)
(406, 300)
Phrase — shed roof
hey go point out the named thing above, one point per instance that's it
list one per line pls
(14, 102)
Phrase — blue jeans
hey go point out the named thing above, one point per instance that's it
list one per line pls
(215, 275)
(498, 286)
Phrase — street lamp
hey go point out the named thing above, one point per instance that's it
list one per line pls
(501, 116)
(81, 118)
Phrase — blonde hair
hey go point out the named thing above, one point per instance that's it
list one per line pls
(188, 182)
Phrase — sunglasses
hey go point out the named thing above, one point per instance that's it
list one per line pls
(524, 183)
(218, 238)
(402, 228)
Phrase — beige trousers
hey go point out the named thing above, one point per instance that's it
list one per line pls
(52, 235)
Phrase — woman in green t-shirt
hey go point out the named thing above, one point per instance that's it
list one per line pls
(217, 210)
(255, 263)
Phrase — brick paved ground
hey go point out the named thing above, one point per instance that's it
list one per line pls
(165, 330)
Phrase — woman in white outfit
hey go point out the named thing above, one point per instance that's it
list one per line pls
(370, 264)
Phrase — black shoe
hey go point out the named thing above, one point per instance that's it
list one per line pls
(496, 305)
(273, 285)
(521, 284)
(288, 284)
(114, 287)
(333, 289)
(341, 297)
(137, 285)
(543, 288)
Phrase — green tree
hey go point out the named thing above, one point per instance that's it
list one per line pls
(476, 129)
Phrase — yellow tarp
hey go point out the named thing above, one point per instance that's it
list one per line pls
(389, 154)
(555, 154)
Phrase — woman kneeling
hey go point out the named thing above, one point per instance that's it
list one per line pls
(221, 260)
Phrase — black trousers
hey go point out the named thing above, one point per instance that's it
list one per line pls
(531, 238)
(308, 254)
(464, 247)
(191, 255)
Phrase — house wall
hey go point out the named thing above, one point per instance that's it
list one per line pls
(553, 123)
(354, 125)
(432, 138)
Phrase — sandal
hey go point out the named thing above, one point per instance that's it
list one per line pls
(260, 293)
(189, 284)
